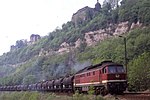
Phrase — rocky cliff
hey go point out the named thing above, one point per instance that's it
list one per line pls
(93, 37)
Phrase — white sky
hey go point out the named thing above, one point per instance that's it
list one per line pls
(21, 18)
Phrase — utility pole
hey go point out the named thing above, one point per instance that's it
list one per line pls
(125, 51)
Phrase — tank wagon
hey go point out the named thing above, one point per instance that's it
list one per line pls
(105, 77)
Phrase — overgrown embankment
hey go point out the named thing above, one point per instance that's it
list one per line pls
(45, 96)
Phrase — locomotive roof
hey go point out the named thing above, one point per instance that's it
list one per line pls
(104, 63)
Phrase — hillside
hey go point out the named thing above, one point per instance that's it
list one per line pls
(91, 37)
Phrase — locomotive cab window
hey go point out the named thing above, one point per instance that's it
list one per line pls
(111, 69)
(120, 69)
(115, 69)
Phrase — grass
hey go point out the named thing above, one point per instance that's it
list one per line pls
(45, 96)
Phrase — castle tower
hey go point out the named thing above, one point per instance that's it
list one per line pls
(97, 6)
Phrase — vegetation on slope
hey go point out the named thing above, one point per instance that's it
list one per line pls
(130, 10)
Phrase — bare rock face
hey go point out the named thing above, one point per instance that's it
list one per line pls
(64, 47)
(121, 28)
(64, 44)
(78, 43)
(92, 38)
(89, 38)
(136, 25)
(96, 36)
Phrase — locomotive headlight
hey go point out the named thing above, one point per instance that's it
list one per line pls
(117, 75)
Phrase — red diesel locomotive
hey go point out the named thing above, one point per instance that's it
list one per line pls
(106, 77)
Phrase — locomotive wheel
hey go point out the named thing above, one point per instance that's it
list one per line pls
(97, 90)
(103, 91)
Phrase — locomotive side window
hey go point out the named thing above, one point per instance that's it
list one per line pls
(82, 75)
(104, 70)
(94, 73)
(88, 74)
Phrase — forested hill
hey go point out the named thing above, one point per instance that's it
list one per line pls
(90, 37)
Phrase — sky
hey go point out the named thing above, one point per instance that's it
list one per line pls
(21, 18)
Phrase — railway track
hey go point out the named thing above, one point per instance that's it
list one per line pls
(133, 96)
(125, 96)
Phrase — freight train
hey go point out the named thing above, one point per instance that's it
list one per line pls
(105, 77)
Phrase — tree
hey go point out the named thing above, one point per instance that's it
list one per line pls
(114, 3)
(139, 72)
(20, 43)
(106, 8)
(29, 79)
(115, 16)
